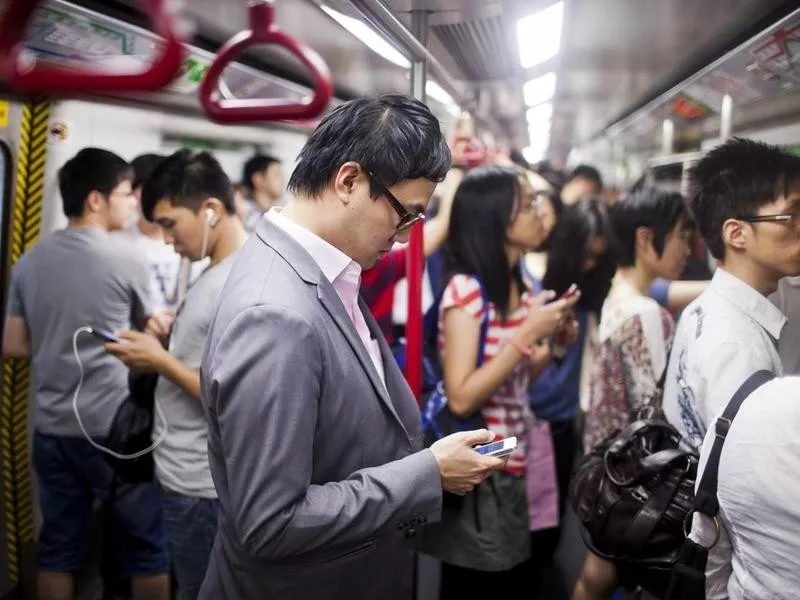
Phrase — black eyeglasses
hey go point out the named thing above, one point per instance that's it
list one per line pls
(793, 218)
(407, 218)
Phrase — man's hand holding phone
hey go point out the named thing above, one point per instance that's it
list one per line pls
(461, 467)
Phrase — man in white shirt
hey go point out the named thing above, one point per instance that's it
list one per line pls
(787, 299)
(745, 197)
(758, 491)
(148, 238)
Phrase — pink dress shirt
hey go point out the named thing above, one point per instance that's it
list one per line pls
(343, 273)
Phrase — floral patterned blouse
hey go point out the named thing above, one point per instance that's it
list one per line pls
(634, 338)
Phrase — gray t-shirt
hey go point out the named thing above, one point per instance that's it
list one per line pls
(182, 458)
(71, 279)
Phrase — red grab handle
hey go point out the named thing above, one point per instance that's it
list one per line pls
(40, 78)
(263, 30)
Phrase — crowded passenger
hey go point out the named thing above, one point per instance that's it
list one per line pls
(745, 197)
(189, 196)
(485, 545)
(77, 277)
(583, 182)
(315, 445)
(577, 252)
(263, 183)
(787, 299)
(163, 261)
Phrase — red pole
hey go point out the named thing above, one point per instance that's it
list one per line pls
(416, 263)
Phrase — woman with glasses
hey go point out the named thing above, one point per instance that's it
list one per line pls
(494, 222)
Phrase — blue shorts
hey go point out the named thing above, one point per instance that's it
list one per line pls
(71, 473)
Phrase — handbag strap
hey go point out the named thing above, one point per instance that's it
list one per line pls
(705, 499)
(484, 323)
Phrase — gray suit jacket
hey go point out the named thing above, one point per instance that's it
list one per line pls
(319, 470)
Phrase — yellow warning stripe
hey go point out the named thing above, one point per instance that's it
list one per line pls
(26, 226)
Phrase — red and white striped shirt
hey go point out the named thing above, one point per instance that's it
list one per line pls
(506, 413)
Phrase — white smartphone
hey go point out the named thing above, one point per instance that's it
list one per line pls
(499, 448)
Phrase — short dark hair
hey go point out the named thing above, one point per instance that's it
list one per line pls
(483, 208)
(587, 172)
(734, 180)
(394, 136)
(90, 170)
(187, 178)
(577, 225)
(657, 208)
(256, 164)
(143, 166)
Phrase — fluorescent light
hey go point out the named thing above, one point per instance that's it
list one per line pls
(539, 35)
(533, 155)
(539, 90)
(435, 91)
(540, 114)
(369, 38)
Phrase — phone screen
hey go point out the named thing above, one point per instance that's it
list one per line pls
(489, 448)
(105, 335)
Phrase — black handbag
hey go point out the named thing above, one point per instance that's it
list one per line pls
(131, 431)
(688, 580)
(631, 495)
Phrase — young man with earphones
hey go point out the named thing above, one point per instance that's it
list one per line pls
(192, 199)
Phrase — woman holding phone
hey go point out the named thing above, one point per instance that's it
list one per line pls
(494, 222)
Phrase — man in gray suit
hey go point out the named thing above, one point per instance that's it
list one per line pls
(314, 437)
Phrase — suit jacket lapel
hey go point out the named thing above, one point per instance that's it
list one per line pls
(333, 304)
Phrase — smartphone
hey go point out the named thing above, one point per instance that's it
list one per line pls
(499, 448)
(104, 335)
(571, 291)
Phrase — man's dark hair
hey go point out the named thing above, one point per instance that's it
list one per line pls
(187, 179)
(91, 169)
(256, 164)
(589, 173)
(656, 208)
(393, 136)
(735, 180)
(143, 166)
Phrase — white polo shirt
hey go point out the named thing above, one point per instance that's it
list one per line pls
(728, 333)
(787, 298)
(759, 486)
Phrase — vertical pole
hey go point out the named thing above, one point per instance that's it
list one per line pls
(416, 258)
(668, 136)
(726, 118)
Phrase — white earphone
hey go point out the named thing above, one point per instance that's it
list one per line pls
(210, 217)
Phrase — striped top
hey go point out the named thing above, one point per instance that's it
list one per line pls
(506, 413)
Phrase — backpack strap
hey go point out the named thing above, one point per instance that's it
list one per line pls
(705, 500)
(484, 323)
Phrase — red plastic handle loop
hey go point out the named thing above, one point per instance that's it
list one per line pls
(263, 30)
(40, 78)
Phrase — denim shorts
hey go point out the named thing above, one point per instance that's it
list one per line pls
(191, 527)
(71, 473)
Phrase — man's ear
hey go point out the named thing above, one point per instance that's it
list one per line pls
(94, 202)
(734, 234)
(644, 239)
(346, 180)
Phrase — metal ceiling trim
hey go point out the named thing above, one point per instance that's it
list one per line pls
(622, 124)
(377, 14)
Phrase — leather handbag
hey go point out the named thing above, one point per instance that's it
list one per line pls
(631, 495)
